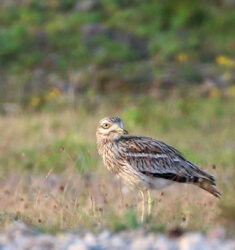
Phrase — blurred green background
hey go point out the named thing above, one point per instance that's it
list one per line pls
(89, 47)
(166, 67)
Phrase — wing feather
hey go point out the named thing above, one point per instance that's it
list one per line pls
(157, 159)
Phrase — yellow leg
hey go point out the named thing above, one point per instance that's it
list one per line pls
(143, 206)
(149, 203)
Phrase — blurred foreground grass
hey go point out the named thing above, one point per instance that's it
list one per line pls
(52, 177)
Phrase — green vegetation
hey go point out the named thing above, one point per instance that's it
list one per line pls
(171, 28)
(56, 38)
(52, 176)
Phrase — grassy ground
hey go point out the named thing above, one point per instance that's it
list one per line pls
(52, 177)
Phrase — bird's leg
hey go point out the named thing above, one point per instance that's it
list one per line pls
(143, 205)
(149, 203)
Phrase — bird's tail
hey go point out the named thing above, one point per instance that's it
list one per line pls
(209, 186)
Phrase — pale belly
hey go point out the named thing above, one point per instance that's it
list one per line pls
(141, 181)
(134, 178)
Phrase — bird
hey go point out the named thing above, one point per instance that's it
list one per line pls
(145, 163)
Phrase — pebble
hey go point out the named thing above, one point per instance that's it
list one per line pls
(90, 240)
(78, 245)
(193, 241)
(20, 236)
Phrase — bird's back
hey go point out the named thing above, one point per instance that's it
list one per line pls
(157, 160)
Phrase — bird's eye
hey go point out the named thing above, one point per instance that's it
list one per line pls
(106, 125)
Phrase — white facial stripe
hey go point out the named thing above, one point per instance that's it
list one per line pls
(113, 127)
(144, 155)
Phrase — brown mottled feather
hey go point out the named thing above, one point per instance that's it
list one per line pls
(140, 159)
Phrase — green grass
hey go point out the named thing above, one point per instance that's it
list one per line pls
(52, 177)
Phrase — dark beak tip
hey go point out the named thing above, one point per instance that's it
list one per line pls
(125, 132)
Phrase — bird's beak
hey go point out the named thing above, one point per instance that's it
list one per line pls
(121, 131)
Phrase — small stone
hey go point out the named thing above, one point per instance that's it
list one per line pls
(164, 243)
(77, 244)
(104, 235)
(117, 242)
(19, 228)
(90, 239)
(142, 243)
(45, 241)
(193, 241)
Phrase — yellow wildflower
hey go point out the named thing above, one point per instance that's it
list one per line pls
(52, 94)
(225, 61)
(214, 92)
(181, 57)
(35, 101)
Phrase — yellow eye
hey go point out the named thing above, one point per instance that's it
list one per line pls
(106, 125)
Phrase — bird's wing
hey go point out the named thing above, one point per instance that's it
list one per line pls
(157, 159)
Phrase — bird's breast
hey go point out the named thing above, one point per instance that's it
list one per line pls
(111, 158)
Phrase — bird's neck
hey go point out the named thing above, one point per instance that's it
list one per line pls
(103, 143)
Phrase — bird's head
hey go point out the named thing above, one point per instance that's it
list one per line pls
(110, 128)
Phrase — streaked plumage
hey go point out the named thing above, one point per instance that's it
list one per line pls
(146, 163)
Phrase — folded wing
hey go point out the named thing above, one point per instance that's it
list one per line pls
(157, 159)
